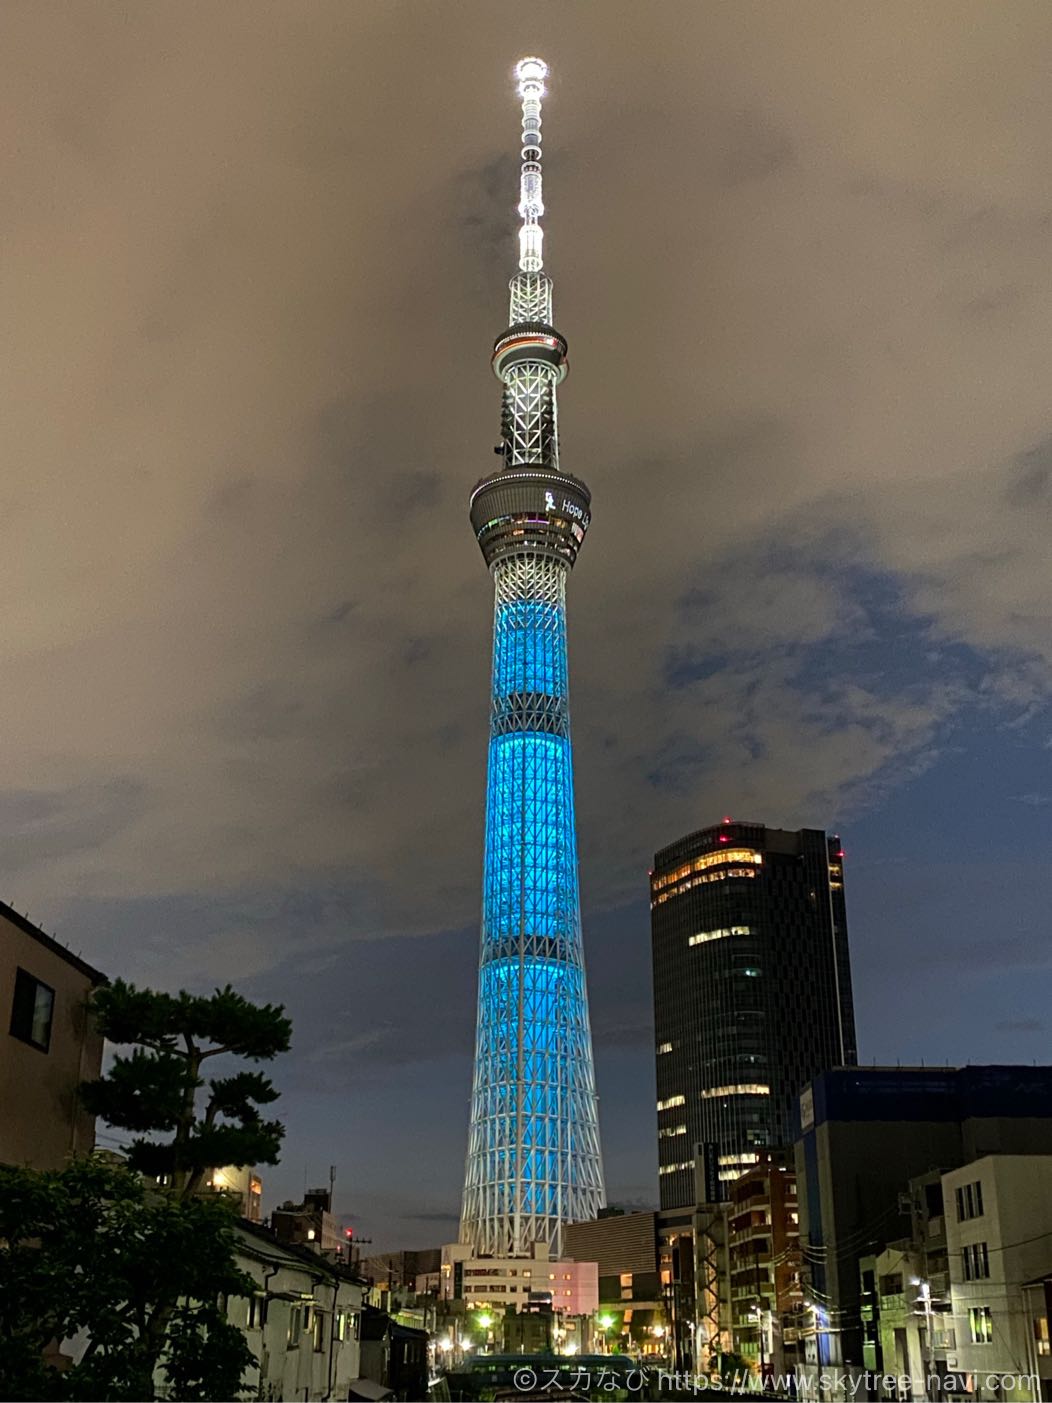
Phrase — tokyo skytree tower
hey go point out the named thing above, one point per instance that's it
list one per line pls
(533, 1158)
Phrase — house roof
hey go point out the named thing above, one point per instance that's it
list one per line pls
(302, 1254)
(376, 1323)
(49, 942)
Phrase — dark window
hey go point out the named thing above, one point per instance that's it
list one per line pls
(969, 1201)
(295, 1326)
(976, 1262)
(31, 1013)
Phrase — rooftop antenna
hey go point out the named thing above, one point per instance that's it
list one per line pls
(530, 74)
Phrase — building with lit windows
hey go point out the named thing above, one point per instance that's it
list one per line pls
(533, 1160)
(765, 1264)
(625, 1247)
(496, 1283)
(752, 995)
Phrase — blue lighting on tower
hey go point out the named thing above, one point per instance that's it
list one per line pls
(533, 1153)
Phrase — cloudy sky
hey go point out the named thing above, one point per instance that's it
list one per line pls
(254, 258)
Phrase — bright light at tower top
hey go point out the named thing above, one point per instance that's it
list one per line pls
(531, 73)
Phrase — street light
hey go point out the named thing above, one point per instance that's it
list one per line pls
(924, 1301)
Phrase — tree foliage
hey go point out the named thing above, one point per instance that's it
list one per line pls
(135, 1259)
(155, 1089)
(91, 1248)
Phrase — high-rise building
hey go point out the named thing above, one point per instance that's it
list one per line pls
(533, 1158)
(752, 994)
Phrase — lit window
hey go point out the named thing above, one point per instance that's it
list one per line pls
(675, 1168)
(32, 1011)
(1041, 1334)
(669, 1132)
(725, 855)
(745, 1088)
(665, 1047)
(671, 1101)
(981, 1325)
(703, 936)
(706, 860)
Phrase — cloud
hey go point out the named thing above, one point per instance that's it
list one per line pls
(259, 608)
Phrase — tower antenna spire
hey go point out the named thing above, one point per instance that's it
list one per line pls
(530, 74)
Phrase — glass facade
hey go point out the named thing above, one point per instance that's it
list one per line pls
(752, 994)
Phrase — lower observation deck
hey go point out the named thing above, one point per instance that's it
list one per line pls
(530, 508)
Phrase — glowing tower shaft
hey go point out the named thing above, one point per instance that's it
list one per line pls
(533, 1154)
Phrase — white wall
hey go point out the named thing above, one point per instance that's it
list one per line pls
(1016, 1226)
(287, 1368)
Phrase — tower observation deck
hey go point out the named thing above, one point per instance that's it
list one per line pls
(533, 1158)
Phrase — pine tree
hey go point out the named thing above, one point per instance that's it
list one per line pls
(135, 1256)
(155, 1091)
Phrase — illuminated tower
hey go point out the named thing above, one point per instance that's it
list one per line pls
(533, 1154)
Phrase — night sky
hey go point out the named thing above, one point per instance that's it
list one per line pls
(254, 259)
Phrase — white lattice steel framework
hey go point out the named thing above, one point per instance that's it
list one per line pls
(533, 1156)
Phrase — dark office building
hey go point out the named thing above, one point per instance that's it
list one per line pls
(752, 994)
(864, 1132)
